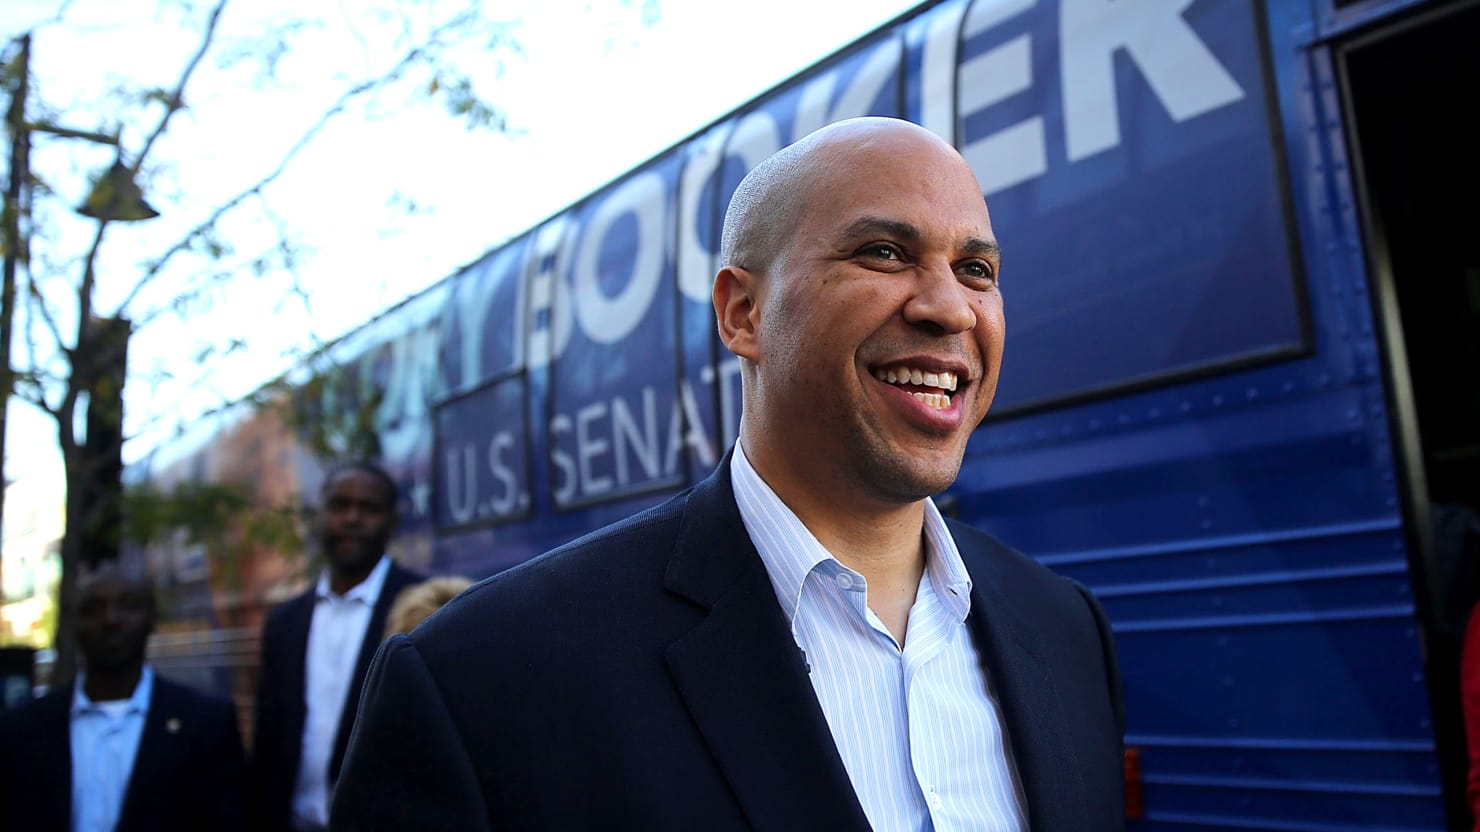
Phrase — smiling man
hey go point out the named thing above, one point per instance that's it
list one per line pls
(801, 641)
(317, 648)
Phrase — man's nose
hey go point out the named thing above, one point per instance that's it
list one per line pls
(940, 302)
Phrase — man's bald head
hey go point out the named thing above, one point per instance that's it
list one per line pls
(115, 615)
(767, 202)
(128, 576)
(762, 208)
(860, 293)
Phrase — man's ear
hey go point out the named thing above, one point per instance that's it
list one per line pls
(737, 307)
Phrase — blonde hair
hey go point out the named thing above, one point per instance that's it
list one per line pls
(418, 601)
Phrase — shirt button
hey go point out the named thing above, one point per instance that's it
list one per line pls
(935, 800)
(845, 580)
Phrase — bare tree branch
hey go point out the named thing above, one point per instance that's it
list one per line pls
(34, 391)
(85, 288)
(86, 375)
(36, 308)
(154, 420)
(172, 105)
(348, 97)
(354, 31)
(56, 18)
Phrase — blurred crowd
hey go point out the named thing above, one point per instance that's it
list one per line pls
(124, 748)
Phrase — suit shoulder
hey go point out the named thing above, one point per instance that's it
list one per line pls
(181, 695)
(284, 609)
(625, 556)
(280, 616)
(26, 728)
(397, 579)
(657, 522)
(984, 553)
(618, 546)
(972, 540)
(26, 716)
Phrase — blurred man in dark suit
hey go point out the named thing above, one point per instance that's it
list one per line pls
(123, 748)
(317, 647)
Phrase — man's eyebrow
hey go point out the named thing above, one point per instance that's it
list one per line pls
(882, 227)
(979, 247)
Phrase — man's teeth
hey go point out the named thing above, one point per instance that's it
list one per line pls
(939, 401)
(907, 375)
(945, 381)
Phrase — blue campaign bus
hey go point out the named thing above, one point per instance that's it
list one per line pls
(1240, 398)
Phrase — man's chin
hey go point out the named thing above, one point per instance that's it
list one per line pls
(112, 662)
(909, 480)
(352, 559)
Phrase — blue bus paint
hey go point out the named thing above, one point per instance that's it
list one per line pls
(1192, 417)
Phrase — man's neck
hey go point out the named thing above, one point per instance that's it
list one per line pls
(341, 581)
(882, 541)
(112, 685)
(892, 564)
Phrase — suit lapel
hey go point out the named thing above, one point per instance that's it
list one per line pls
(743, 678)
(1032, 711)
(160, 745)
(299, 613)
(396, 579)
(54, 759)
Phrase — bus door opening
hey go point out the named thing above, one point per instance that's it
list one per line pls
(1411, 90)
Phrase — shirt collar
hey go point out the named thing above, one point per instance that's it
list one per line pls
(943, 562)
(366, 592)
(137, 704)
(787, 548)
(790, 551)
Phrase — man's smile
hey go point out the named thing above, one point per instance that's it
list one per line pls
(931, 387)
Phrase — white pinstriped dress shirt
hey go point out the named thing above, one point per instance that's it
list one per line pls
(917, 728)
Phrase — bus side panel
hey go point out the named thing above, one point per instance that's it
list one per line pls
(1239, 521)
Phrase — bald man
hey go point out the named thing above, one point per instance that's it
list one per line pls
(801, 641)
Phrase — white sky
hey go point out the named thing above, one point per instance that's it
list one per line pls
(594, 94)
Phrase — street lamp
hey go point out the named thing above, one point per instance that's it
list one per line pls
(115, 197)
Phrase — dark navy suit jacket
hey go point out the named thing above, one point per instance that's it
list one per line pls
(645, 677)
(277, 740)
(188, 775)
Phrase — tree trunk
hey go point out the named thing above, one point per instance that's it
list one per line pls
(94, 470)
(65, 666)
